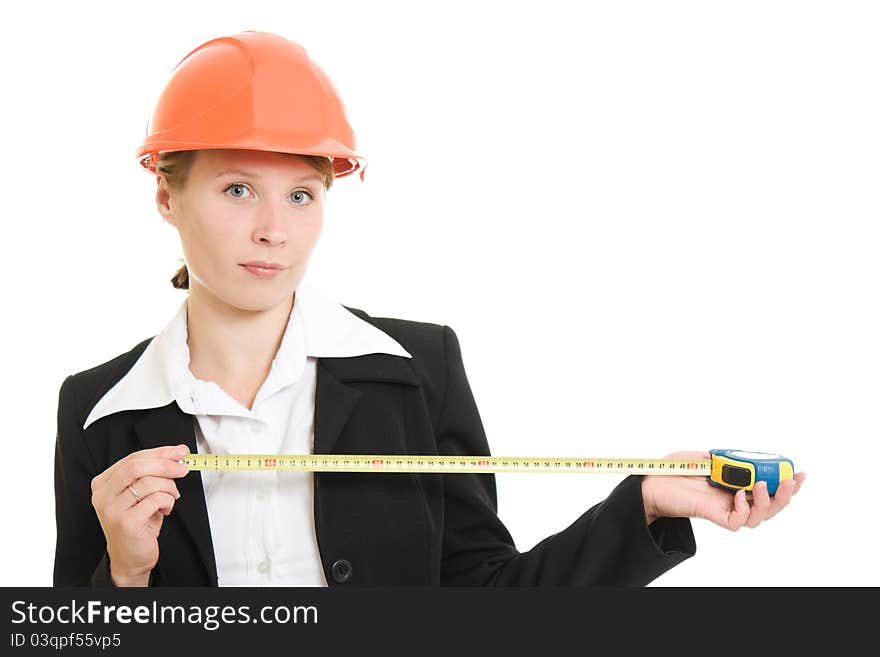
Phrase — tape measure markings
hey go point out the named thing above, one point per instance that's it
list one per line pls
(731, 469)
(378, 463)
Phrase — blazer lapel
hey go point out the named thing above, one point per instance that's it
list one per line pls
(335, 401)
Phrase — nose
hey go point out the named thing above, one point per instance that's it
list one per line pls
(270, 228)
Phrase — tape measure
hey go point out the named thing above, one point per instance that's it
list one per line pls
(733, 469)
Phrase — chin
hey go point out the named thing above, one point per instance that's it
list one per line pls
(249, 295)
(255, 299)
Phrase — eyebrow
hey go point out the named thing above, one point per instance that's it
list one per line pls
(255, 176)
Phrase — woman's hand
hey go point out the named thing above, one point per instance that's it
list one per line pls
(131, 525)
(694, 497)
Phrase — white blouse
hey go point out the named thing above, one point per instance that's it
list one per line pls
(262, 523)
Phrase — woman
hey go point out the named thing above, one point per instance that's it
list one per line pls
(247, 137)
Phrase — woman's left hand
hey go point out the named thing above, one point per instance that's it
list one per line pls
(694, 497)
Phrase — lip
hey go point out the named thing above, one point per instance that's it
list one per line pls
(263, 269)
(263, 264)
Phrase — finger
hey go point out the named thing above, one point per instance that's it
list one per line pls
(144, 510)
(781, 498)
(688, 455)
(128, 471)
(798, 479)
(143, 487)
(144, 467)
(165, 452)
(155, 484)
(760, 504)
(737, 518)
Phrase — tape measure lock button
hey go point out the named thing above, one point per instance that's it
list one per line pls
(733, 475)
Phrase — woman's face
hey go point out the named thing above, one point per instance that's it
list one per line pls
(240, 206)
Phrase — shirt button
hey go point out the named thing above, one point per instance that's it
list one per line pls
(256, 428)
(262, 494)
(263, 567)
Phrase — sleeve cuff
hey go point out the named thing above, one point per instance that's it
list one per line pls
(101, 578)
(669, 540)
(673, 535)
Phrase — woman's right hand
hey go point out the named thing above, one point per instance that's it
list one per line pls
(131, 525)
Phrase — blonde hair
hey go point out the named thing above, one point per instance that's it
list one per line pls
(175, 166)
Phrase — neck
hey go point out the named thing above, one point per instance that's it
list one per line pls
(231, 346)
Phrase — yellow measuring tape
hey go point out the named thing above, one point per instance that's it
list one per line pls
(732, 469)
(443, 463)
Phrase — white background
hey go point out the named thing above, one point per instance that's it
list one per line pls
(653, 227)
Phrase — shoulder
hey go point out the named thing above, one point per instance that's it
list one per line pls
(81, 391)
(434, 348)
(421, 337)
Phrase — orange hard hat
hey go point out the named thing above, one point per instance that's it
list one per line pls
(252, 90)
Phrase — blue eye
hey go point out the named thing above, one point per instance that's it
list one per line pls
(302, 191)
(242, 186)
(235, 185)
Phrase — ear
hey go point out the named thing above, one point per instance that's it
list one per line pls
(163, 200)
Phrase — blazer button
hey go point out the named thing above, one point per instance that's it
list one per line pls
(341, 570)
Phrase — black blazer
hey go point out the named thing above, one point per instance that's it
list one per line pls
(372, 529)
